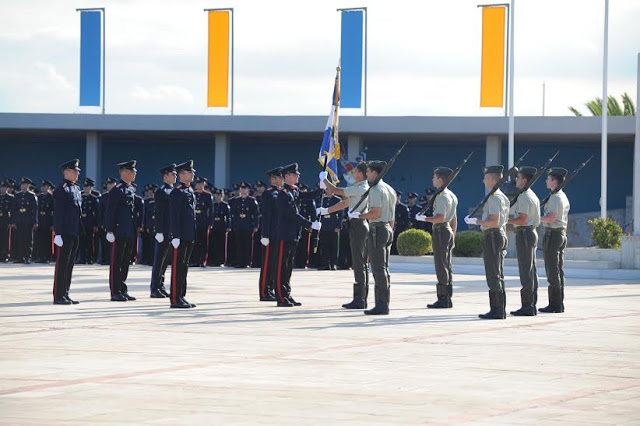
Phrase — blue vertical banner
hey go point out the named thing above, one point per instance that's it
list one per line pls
(90, 57)
(351, 57)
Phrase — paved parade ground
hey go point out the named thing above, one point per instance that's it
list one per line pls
(236, 360)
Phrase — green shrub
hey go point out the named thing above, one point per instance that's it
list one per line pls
(414, 242)
(468, 244)
(606, 233)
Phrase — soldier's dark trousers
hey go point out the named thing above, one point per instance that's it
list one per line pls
(161, 259)
(258, 249)
(105, 248)
(217, 247)
(268, 270)
(494, 242)
(87, 248)
(43, 250)
(4, 242)
(24, 241)
(328, 249)
(200, 247)
(179, 270)
(65, 258)
(379, 248)
(148, 247)
(358, 236)
(553, 244)
(231, 249)
(286, 254)
(121, 253)
(442, 247)
(301, 259)
(526, 244)
(243, 247)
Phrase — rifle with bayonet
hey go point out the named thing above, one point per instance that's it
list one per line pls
(456, 172)
(565, 182)
(534, 178)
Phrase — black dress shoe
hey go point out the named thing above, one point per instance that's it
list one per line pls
(118, 298)
(291, 299)
(74, 302)
(551, 309)
(286, 304)
(193, 305)
(157, 294)
(181, 304)
(128, 297)
(440, 304)
(163, 291)
(525, 311)
(334, 268)
(378, 310)
(61, 302)
(269, 298)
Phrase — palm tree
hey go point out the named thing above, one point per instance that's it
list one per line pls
(613, 106)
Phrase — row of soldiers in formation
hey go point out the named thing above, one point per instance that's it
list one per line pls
(371, 233)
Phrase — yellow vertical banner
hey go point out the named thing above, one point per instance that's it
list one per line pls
(492, 71)
(218, 63)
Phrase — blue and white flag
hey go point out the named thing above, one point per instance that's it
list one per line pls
(330, 149)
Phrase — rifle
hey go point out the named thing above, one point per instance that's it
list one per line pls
(499, 184)
(324, 169)
(454, 175)
(380, 176)
(534, 178)
(565, 182)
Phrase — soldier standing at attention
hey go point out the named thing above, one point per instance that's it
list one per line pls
(445, 224)
(556, 216)
(494, 241)
(67, 203)
(182, 207)
(89, 231)
(220, 231)
(6, 209)
(402, 221)
(43, 239)
(204, 216)
(256, 259)
(358, 232)
(414, 209)
(148, 224)
(120, 223)
(138, 218)
(329, 234)
(526, 221)
(162, 227)
(25, 221)
(102, 212)
(306, 250)
(244, 220)
(268, 219)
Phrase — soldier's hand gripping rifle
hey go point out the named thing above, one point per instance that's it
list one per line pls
(380, 176)
(499, 184)
(565, 182)
(534, 178)
(453, 175)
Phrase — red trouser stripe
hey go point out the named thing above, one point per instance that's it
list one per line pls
(265, 270)
(55, 277)
(112, 270)
(280, 272)
(174, 277)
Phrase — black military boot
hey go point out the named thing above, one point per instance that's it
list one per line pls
(359, 301)
(118, 297)
(444, 298)
(528, 308)
(157, 294)
(181, 304)
(496, 302)
(555, 302)
(381, 308)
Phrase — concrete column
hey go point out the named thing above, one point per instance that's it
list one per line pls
(636, 162)
(221, 172)
(493, 150)
(91, 167)
(355, 145)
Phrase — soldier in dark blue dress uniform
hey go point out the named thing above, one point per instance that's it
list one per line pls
(138, 219)
(120, 224)
(25, 219)
(306, 249)
(244, 222)
(105, 246)
(219, 235)
(288, 231)
(148, 224)
(268, 223)
(204, 218)
(329, 235)
(182, 207)
(402, 221)
(87, 252)
(258, 249)
(67, 205)
(414, 209)
(43, 238)
(6, 210)
(162, 224)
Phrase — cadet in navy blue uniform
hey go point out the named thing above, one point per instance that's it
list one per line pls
(138, 219)
(25, 220)
(148, 223)
(6, 209)
(43, 240)
(219, 235)
(306, 247)
(163, 252)
(414, 209)
(329, 234)
(89, 232)
(258, 252)
(204, 218)
(268, 223)
(105, 246)
(288, 231)
(67, 205)
(182, 207)
(120, 224)
(244, 221)
(402, 222)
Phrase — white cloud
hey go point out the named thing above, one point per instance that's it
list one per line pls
(52, 79)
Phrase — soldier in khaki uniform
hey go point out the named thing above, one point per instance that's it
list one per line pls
(381, 217)
(445, 222)
(526, 220)
(494, 218)
(556, 215)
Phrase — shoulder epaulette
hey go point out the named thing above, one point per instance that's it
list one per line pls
(119, 185)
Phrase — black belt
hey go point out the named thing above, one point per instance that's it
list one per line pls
(556, 230)
(379, 224)
(486, 231)
(441, 225)
(523, 228)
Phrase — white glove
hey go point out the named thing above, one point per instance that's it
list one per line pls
(159, 237)
(322, 211)
(470, 220)
(322, 176)
(175, 242)
(316, 225)
(110, 237)
(354, 215)
(58, 240)
(323, 185)
(421, 217)
(264, 241)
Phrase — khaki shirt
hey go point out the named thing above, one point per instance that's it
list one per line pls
(383, 196)
(498, 204)
(355, 192)
(529, 204)
(446, 204)
(558, 203)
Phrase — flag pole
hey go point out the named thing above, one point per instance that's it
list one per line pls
(511, 81)
(605, 112)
